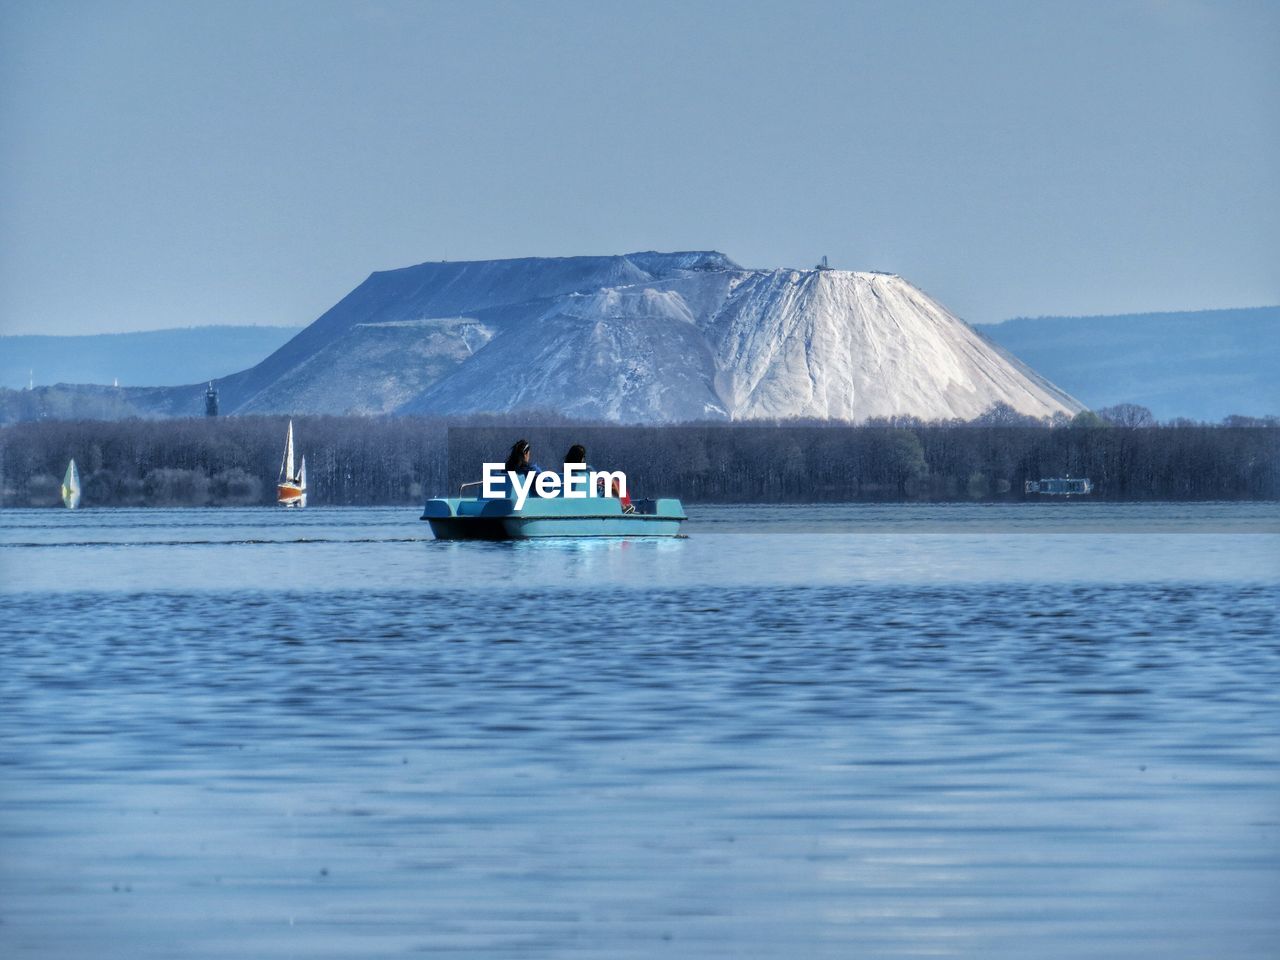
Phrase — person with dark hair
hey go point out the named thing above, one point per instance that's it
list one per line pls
(518, 460)
(577, 455)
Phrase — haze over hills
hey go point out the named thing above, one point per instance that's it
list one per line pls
(153, 357)
(646, 337)
(1202, 365)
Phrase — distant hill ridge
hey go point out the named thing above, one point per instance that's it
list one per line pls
(1201, 364)
(168, 357)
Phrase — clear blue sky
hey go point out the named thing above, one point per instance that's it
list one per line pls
(169, 164)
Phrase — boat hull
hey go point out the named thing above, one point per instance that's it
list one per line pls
(289, 495)
(467, 528)
(498, 519)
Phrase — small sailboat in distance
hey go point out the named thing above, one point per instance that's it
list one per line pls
(71, 487)
(291, 489)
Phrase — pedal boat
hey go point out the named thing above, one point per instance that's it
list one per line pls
(496, 518)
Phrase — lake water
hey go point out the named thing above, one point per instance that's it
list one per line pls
(1044, 730)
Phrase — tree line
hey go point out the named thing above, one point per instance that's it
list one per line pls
(234, 461)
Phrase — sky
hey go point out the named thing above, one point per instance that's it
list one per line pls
(175, 164)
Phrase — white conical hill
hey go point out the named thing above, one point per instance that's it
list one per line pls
(836, 344)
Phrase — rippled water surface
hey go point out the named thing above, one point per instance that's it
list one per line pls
(1037, 731)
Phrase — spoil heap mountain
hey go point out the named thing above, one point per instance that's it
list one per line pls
(646, 337)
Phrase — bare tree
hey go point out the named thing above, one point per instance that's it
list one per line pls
(1127, 415)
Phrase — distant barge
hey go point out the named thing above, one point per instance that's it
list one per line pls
(1060, 486)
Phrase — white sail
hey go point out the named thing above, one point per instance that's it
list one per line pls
(286, 468)
(302, 481)
(71, 487)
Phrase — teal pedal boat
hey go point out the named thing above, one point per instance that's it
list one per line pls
(477, 518)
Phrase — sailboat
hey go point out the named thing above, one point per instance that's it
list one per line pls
(291, 488)
(71, 487)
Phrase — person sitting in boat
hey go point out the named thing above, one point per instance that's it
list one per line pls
(613, 490)
(519, 460)
(577, 455)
